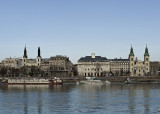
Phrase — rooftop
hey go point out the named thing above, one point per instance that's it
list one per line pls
(94, 58)
(91, 59)
(118, 59)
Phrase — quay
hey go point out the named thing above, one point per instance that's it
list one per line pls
(118, 79)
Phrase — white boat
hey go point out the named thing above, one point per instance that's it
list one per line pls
(26, 81)
(40, 81)
(91, 80)
(127, 81)
(107, 82)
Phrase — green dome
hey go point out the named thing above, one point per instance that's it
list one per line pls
(131, 52)
(146, 52)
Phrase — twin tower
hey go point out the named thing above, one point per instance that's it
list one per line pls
(31, 62)
(137, 67)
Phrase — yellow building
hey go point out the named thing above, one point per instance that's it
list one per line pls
(137, 67)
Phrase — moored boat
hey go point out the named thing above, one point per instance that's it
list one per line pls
(56, 81)
(91, 80)
(27, 81)
(107, 82)
(127, 81)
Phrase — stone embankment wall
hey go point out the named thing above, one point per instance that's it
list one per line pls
(134, 79)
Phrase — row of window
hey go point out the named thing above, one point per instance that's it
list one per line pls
(139, 64)
(93, 69)
(132, 59)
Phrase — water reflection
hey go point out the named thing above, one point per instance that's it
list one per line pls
(131, 99)
(71, 98)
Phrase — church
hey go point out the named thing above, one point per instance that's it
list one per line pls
(138, 67)
(31, 62)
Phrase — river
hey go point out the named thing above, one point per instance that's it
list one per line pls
(83, 98)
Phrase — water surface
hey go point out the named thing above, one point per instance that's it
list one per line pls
(85, 98)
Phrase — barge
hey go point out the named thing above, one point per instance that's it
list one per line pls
(36, 81)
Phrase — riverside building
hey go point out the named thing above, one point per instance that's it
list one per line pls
(54, 66)
(93, 66)
(119, 67)
(60, 66)
(155, 68)
(31, 62)
(11, 62)
(138, 67)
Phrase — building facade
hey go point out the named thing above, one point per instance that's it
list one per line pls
(138, 67)
(31, 62)
(155, 68)
(53, 66)
(119, 67)
(93, 66)
(60, 66)
(11, 62)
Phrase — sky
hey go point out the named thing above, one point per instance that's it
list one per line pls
(77, 28)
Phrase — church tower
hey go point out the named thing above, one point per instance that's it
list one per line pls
(146, 61)
(38, 60)
(25, 57)
(131, 62)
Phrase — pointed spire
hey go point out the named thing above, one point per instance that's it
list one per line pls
(146, 51)
(131, 52)
(25, 52)
(39, 52)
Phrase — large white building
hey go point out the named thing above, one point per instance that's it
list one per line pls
(93, 66)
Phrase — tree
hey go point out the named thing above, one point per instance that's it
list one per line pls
(3, 71)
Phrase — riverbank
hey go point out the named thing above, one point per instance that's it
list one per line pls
(120, 79)
(134, 79)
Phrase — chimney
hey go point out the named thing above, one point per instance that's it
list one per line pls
(93, 55)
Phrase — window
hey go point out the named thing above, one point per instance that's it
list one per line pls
(146, 59)
(146, 64)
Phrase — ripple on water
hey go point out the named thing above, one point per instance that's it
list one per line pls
(80, 99)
